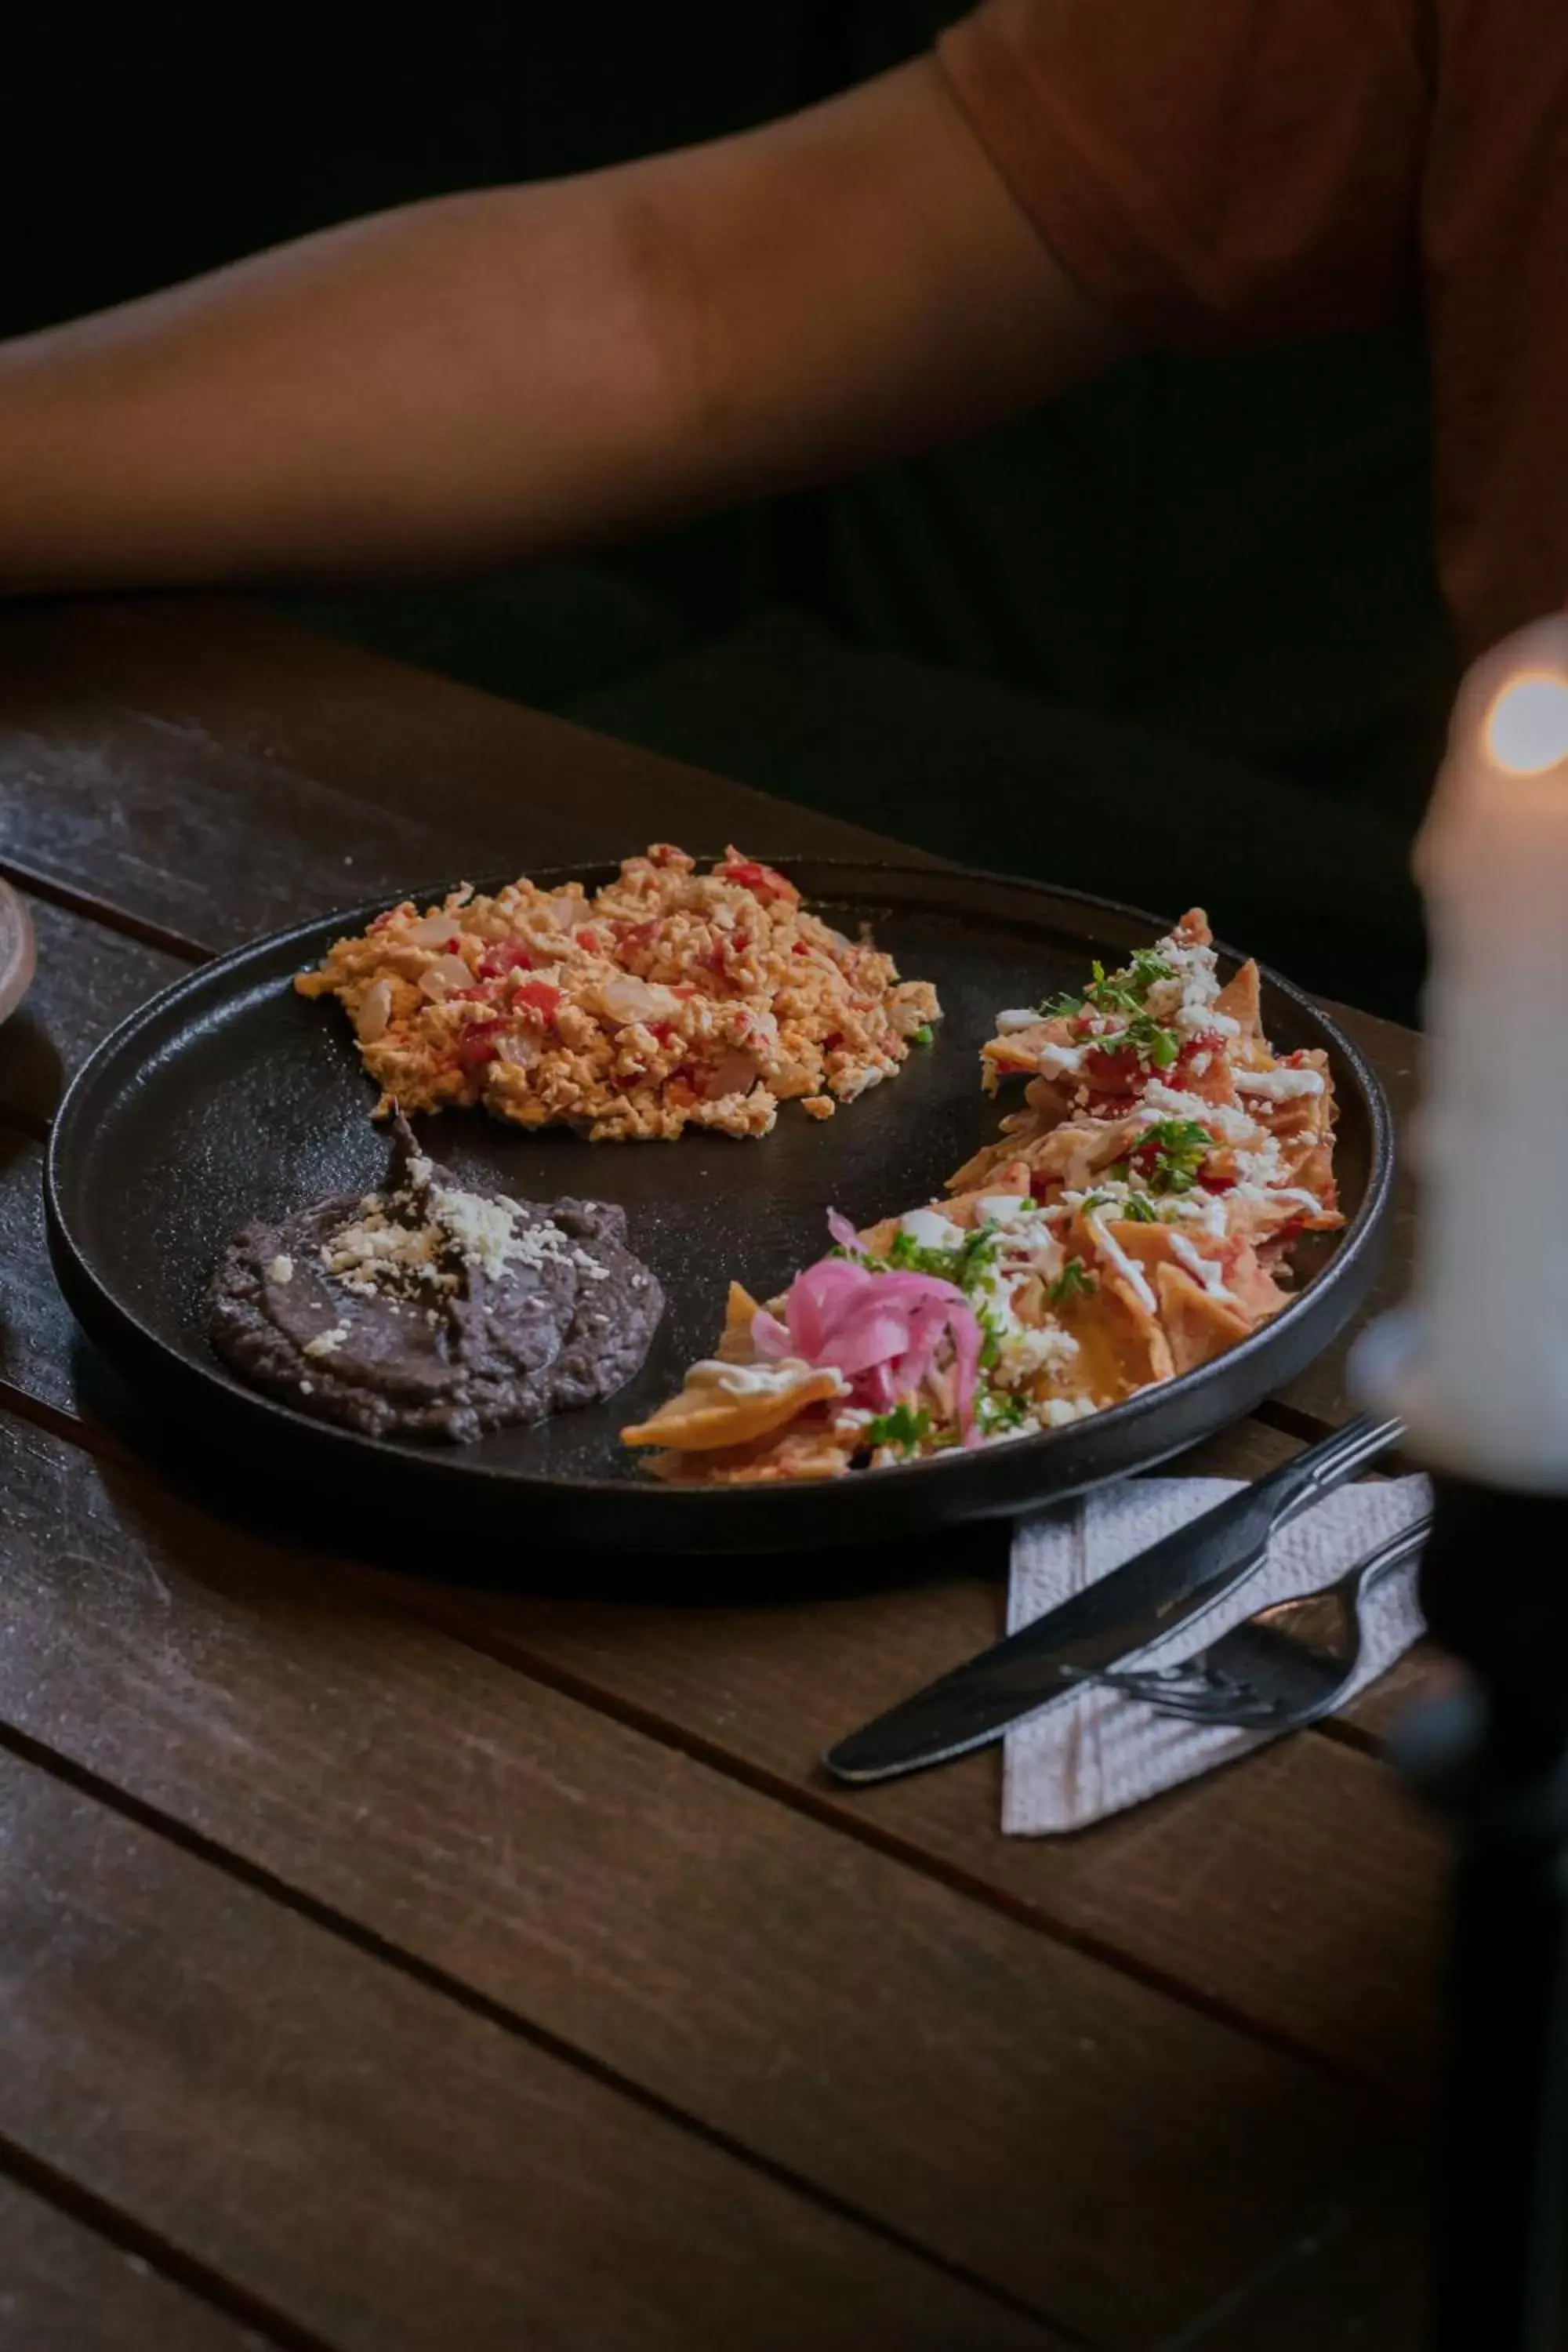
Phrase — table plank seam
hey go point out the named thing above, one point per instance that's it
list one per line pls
(103, 911)
(160, 2255)
(817, 1804)
(812, 1803)
(1290, 1420)
(436, 1980)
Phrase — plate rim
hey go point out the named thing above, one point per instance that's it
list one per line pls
(453, 1471)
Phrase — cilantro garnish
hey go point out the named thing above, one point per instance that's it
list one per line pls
(1172, 1152)
(1138, 1210)
(1074, 1281)
(1124, 991)
(924, 1035)
(903, 1427)
(1147, 967)
(963, 1265)
(1059, 1008)
(994, 1410)
(1148, 1039)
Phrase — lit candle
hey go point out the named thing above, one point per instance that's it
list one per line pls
(1480, 1374)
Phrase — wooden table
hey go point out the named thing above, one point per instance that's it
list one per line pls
(388, 1964)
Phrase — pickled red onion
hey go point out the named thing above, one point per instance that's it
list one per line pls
(881, 1332)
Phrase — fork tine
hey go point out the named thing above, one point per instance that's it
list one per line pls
(1198, 1699)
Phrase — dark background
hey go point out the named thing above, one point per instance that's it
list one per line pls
(1175, 636)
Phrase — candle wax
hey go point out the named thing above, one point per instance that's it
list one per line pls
(1483, 1382)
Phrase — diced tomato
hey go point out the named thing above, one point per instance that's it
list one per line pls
(830, 1045)
(589, 940)
(761, 881)
(663, 1030)
(507, 955)
(800, 948)
(538, 996)
(1110, 1074)
(477, 1044)
(480, 995)
(740, 942)
(637, 935)
(1214, 1183)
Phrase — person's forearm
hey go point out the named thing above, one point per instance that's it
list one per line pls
(486, 378)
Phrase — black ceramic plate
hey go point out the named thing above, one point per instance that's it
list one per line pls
(230, 1097)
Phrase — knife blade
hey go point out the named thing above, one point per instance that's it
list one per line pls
(1146, 1596)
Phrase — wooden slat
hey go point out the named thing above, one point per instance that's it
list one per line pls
(220, 772)
(377, 2163)
(65, 2289)
(1299, 1891)
(848, 2019)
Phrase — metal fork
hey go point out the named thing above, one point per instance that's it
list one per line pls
(1288, 1666)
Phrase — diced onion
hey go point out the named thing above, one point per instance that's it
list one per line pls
(625, 999)
(435, 931)
(444, 977)
(374, 1012)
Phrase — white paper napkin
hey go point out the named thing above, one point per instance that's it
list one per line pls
(1097, 1753)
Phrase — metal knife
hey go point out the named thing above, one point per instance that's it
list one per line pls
(1143, 1599)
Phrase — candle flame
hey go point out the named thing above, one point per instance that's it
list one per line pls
(1526, 730)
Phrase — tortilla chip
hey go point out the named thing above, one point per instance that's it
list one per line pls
(1197, 1326)
(703, 1416)
(1240, 1000)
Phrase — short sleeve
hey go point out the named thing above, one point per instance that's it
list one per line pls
(1213, 173)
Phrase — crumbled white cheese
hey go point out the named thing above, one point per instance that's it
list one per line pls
(307, 1387)
(1055, 1412)
(281, 1268)
(327, 1343)
(1263, 1167)
(1002, 1208)
(929, 1229)
(1054, 1061)
(1222, 1119)
(1203, 1210)
(1279, 1085)
(1026, 1349)
(1021, 1017)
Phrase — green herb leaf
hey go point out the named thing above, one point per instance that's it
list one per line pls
(1074, 1281)
(924, 1035)
(994, 1410)
(1172, 1152)
(902, 1427)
